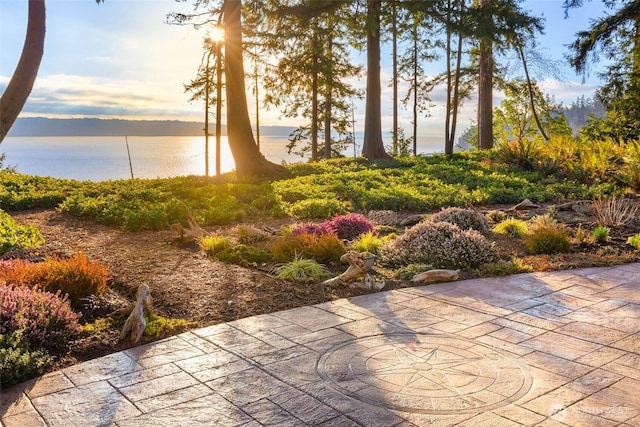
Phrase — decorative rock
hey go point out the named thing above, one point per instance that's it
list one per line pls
(433, 276)
(135, 324)
(524, 205)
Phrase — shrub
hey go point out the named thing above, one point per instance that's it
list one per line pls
(76, 276)
(613, 211)
(316, 208)
(324, 248)
(300, 269)
(316, 229)
(545, 239)
(247, 234)
(496, 216)
(442, 244)
(635, 241)
(18, 362)
(240, 254)
(214, 244)
(44, 319)
(512, 227)
(581, 235)
(409, 271)
(158, 326)
(14, 235)
(601, 234)
(466, 219)
(350, 226)
(367, 242)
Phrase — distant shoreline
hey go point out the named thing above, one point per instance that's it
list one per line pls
(45, 127)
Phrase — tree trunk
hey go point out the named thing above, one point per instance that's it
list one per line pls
(17, 91)
(448, 143)
(530, 90)
(415, 92)
(485, 93)
(373, 147)
(249, 162)
(395, 77)
(328, 105)
(314, 94)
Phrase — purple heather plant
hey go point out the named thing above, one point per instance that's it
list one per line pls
(350, 226)
(45, 319)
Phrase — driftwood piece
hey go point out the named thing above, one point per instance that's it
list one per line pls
(433, 276)
(412, 220)
(193, 233)
(524, 205)
(356, 276)
(135, 324)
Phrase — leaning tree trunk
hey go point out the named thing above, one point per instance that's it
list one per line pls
(248, 159)
(373, 147)
(17, 91)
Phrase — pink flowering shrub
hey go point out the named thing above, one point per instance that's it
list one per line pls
(43, 319)
(466, 219)
(350, 226)
(346, 227)
(317, 229)
(441, 244)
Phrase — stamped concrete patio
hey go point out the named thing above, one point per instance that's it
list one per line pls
(548, 349)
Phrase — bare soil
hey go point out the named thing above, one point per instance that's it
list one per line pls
(185, 284)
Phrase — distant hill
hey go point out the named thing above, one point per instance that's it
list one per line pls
(40, 126)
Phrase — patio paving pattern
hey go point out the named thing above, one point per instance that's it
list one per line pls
(540, 349)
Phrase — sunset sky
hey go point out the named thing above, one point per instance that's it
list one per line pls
(120, 59)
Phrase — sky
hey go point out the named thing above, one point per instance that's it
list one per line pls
(119, 59)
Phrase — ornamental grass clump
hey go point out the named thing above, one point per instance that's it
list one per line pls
(214, 244)
(512, 227)
(466, 219)
(601, 234)
(635, 241)
(441, 244)
(614, 211)
(547, 237)
(300, 269)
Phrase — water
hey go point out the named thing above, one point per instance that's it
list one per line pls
(105, 158)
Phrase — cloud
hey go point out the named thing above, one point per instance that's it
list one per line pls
(81, 96)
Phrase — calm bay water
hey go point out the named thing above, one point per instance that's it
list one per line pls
(105, 158)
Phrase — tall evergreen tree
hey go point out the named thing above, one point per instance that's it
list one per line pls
(616, 36)
(373, 145)
(249, 162)
(310, 80)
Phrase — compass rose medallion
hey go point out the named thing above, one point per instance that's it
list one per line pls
(425, 373)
